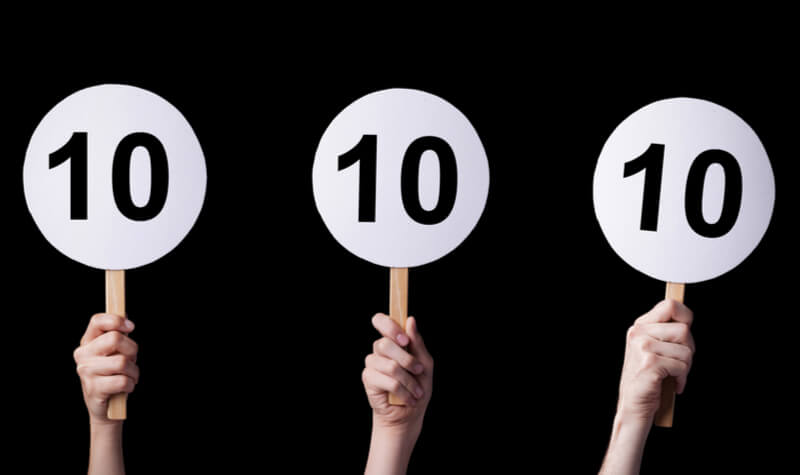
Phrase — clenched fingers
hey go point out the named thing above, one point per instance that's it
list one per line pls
(109, 366)
(392, 369)
(376, 381)
(104, 322)
(107, 344)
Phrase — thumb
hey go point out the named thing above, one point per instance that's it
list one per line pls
(417, 345)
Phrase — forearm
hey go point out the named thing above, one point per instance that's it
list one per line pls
(105, 452)
(624, 455)
(390, 450)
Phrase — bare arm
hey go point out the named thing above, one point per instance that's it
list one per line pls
(106, 364)
(659, 345)
(399, 364)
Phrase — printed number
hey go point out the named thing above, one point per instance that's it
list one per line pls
(652, 162)
(365, 152)
(75, 151)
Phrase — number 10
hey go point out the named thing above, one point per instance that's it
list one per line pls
(652, 162)
(366, 153)
(76, 150)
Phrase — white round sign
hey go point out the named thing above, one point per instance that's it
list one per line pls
(683, 190)
(114, 177)
(400, 177)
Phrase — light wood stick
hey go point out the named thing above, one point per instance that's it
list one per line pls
(666, 411)
(115, 304)
(398, 307)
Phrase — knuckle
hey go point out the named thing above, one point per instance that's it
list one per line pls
(649, 360)
(76, 355)
(395, 386)
(115, 339)
(394, 367)
(383, 345)
(118, 363)
(640, 343)
(683, 332)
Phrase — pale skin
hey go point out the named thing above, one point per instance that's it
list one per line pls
(659, 345)
(399, 364)
(106, 364)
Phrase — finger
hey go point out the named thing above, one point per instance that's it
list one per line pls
(417, 345)
(666, 366)
(375, 380)
(668, 310)
(390, 329)
(107, 386)
(674, 332)
(109, 366)
(666, 349)
(392, 369)
(109, 343)
(389, 349)
(105, 322)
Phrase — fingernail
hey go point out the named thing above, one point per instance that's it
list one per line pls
(402, 339)
(418, 368)
(418, 392)
(128, 325)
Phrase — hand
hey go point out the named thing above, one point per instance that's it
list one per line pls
(659, 345)
(404, 371)
(106, 364)
(399, 364)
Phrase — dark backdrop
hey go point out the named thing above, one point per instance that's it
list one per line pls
(253, 331)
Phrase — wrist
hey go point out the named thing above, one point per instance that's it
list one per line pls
(396, 431)
(632, 421)
(391, 446)
(105, 429)
(627, 443)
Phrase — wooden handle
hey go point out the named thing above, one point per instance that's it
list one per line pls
(398, 307)
(666, 411)
(115, 304)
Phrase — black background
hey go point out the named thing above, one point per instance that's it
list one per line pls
(253, 331)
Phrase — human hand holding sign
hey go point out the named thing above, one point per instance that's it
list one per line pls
(659, 346)
(400, 365)
(683, 192)
(400, 179)
(106, 364)
(114, 178)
